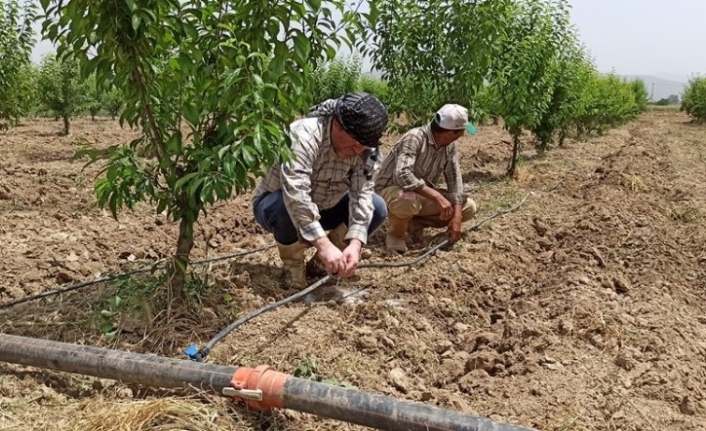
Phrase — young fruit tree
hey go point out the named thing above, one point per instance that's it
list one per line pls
(212, 84)
(570, 79)
(336, 78)
(524, 73)
(694, 99)
(642, 97)
(607, 101)
(62, 89)
(95, 99)
(16, 43)
(436, 51)
(113, 102)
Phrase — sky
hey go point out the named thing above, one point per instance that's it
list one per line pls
(644, 37)
(661, 38)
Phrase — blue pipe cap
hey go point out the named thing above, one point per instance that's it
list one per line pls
(191, 352)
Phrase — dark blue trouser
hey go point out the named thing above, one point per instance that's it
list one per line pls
(271, 214)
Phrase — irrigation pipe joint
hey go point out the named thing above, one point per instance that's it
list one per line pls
(260, 388)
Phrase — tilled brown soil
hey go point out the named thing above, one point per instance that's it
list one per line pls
(579, 311)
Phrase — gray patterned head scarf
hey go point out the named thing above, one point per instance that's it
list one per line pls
(363, 117)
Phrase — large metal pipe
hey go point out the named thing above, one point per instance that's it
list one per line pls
(260, 388)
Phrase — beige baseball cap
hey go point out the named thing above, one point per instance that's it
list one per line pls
(454, 117)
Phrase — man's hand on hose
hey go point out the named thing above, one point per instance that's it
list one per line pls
(351, 257)
(332, 258)
(454, 229)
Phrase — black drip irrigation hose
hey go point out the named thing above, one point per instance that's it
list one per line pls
(149, 268)
(200, 354)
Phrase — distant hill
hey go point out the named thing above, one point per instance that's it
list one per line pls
(663, 88)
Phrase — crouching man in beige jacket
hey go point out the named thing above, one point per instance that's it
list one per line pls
(408, 176)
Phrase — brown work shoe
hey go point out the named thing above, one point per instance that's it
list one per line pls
(396, 233)
(292, 257)
(337, 236)
(395, 243)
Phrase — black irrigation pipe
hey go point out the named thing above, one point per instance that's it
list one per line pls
(201, 354)
(261, 388)
(152, 267)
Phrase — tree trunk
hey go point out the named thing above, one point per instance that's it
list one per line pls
(66, 125)
(513, 159)
(178, 267)
(562, 137)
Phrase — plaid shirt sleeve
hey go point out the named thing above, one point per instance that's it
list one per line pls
(360, 206)
(296, 188)
(454, 180)
(404, 170)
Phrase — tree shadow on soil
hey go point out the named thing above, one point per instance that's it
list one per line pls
(483, 177)
(697, 124)
(271, 420)
(48, 157)
(538, 155)
(144, 322)
(44, 134)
